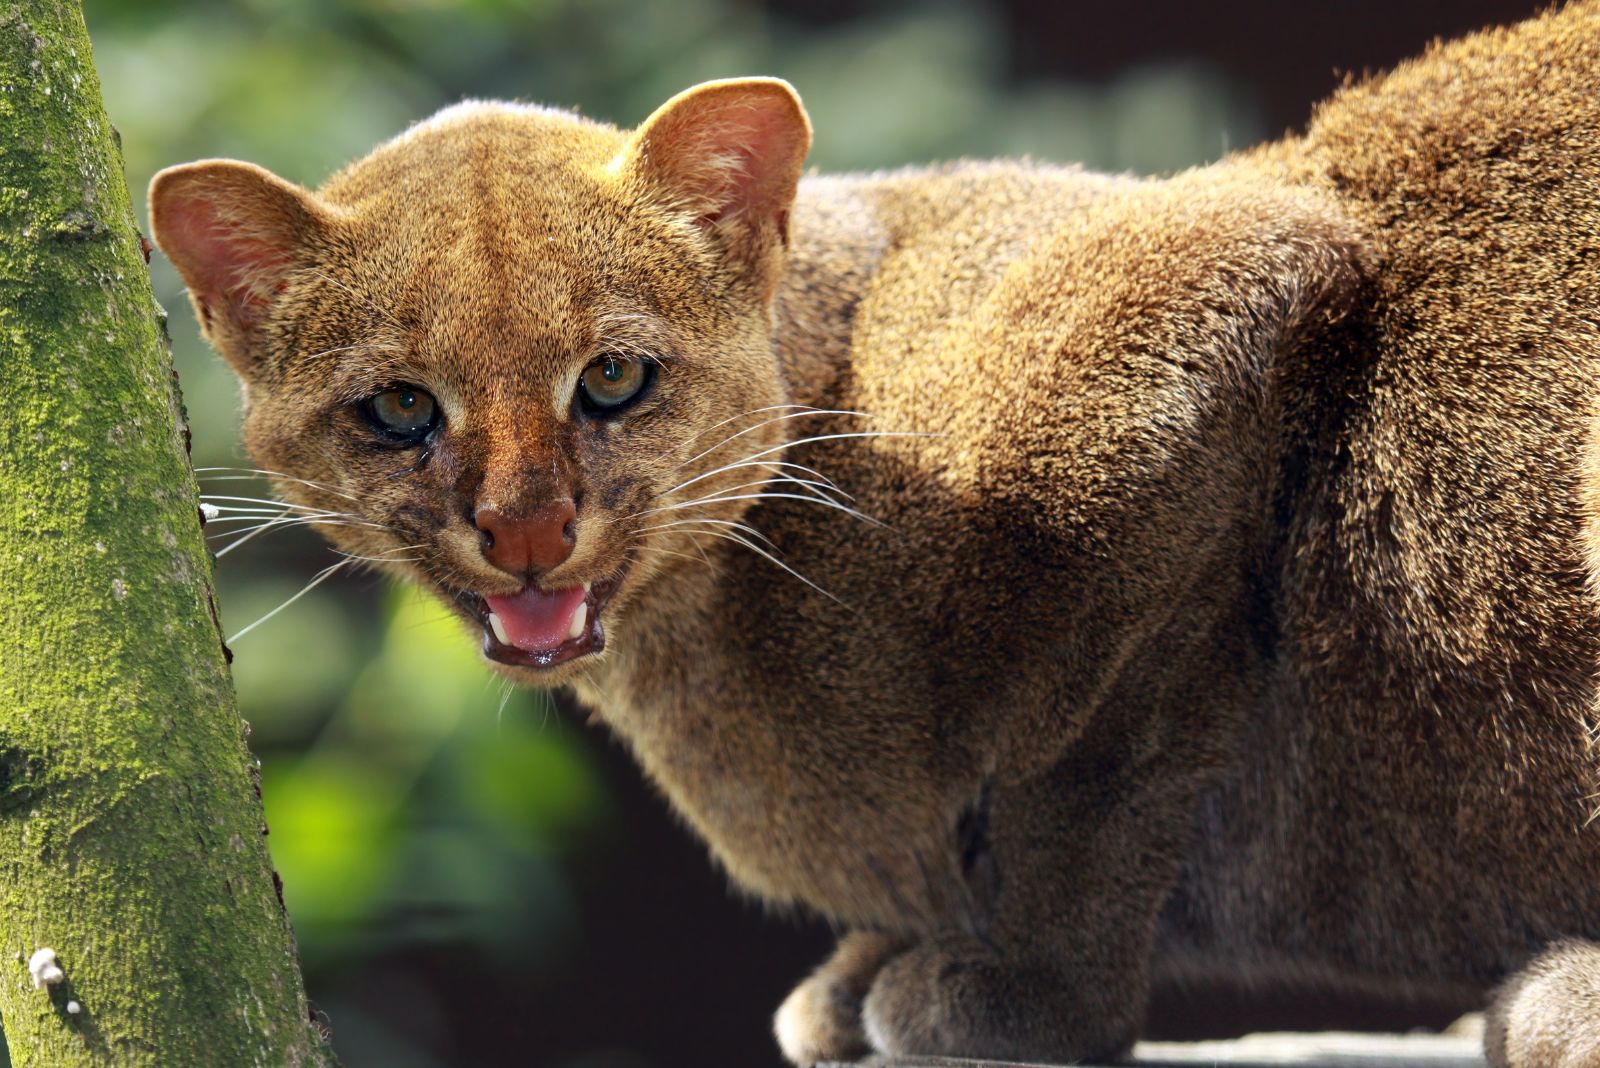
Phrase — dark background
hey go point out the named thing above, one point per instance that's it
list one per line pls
(477, 878)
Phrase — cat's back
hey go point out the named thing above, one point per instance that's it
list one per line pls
(948, 237)
(1506, 117)
(1438, 577)
(952, 247)
(1461, 496)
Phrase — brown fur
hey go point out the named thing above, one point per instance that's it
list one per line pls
(1234, 609)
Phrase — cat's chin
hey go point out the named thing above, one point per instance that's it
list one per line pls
(577, 615)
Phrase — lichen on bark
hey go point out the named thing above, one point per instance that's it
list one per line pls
(131, 835)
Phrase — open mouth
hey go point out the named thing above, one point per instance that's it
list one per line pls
(542, 628)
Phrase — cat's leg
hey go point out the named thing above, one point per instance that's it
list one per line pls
(821, 1019)
(1548, 1014)
(1059, 969)
(961, 997)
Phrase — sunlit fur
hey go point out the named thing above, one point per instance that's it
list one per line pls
(1214, 593)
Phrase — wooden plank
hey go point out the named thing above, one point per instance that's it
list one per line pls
(1325, 1050)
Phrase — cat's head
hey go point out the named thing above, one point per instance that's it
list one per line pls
(500, 350)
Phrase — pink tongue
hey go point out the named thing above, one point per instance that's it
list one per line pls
(537, 620)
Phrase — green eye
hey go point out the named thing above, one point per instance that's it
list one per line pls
(611, 382)
(404, 413)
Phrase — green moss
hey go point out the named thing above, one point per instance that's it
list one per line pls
(129, 827)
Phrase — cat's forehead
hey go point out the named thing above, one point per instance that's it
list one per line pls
(481, 142)
(495, 227)
(510, 172)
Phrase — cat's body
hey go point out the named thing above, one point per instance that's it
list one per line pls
(1231, 612)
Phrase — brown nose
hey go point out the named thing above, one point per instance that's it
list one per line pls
(530, 545)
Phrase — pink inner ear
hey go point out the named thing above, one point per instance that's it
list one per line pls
(752, 151)
(728, 152)
(226, 266)
(748, 149)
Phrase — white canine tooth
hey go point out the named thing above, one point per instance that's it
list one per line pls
(499, 629)
(586, 589)
(580, 619)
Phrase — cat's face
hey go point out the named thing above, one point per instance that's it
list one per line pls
(506, 352)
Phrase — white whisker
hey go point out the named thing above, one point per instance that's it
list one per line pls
(734, 537)
(840, 436)
(283, 521)
(249, 474)
(211, 498)
(699, 559)
(506, 687)
(385, 557)
(824, 480)
(772, 496)
(817, 489)
(718, 522)
(321, 577)
(215, 512)
(330, 352)
(225, 550)
(754, 411)
(332, 519)
(769, 422)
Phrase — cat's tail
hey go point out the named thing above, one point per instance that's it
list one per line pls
(1548, 1014)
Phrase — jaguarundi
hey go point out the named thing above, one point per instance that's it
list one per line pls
(1058, 581)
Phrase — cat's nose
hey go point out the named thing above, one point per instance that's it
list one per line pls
(529, 545)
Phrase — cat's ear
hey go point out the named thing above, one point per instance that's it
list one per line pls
(728, 154)
(234, 231)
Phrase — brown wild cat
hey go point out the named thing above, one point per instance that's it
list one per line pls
(1215, 592)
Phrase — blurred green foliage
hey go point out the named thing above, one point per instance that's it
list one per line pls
(411, 800)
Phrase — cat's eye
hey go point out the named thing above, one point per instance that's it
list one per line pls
(611, 382)
(403, 414)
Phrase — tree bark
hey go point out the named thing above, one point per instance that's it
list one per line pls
(131, 833)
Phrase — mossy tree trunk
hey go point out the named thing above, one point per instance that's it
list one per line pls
(131, 836)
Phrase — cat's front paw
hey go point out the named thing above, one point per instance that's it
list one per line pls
(962, 999)
(821, 1019)
(1548, 1014)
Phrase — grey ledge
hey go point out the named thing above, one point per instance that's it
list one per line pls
(1324, 1050)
